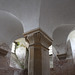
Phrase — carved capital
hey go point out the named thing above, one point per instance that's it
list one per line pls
(38, 38)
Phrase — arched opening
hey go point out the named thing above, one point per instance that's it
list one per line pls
(19, 54)
(63, 60)
(60, 35)
(51, 57)
(71, 44)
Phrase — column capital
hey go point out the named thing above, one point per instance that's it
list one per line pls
(38, 38)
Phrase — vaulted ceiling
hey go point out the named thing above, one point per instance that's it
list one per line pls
(44, 14)
(10, 28)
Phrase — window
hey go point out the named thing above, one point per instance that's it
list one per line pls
(71, 46)
(19, 54)
(51, 56)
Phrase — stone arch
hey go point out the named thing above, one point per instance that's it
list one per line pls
(60, 35)
(10, 27)
(63, 49)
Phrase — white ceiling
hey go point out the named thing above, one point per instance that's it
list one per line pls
(10, 28)
(61, 33)
(55, 13)
(46, 14)
(60, 38)
(27, 11)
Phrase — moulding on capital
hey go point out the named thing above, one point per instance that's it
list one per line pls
(38, 37)
(35, 31)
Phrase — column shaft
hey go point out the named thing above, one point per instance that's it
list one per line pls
(38, 54)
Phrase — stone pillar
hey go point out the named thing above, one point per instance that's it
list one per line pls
(38, 53)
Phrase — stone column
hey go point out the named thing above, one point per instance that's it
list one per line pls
(38, 53)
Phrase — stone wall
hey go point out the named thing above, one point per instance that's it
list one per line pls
(11, 71)
(63, 67)
(5, 68)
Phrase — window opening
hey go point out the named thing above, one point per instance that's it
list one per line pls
(51, 56)
(19, 54)
(71, 39)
